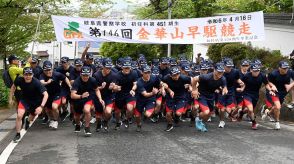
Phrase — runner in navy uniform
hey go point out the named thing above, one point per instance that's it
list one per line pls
(147, 89)
(279, 81)
(65, 69)
(208, 85)
(244, 68)
(51, 80)
(125, 97)
(33, 99)
(84, 92)
(106, 79)
(175, 98)
(253, 82)
(226, 103)
(37, 70)
(163, 67)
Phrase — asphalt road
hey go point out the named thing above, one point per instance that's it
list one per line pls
(236, 143)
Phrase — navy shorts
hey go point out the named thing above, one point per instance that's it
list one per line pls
(206, 103)
(29, 107)
(250, 99)
(226, 101)
(141, 106)
(79, 104)
(121, 102)
(176, 105)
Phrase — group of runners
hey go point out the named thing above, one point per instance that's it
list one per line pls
(168, 88)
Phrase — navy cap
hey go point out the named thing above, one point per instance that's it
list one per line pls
(186, 68)
(126, 64)
(64, 59)
(107, 63)
(284, 64)
(175, 70)
(12, 57)
(255, 67)
(47, 65)
(165, 60)
(34, 60)
(219, 67)
(155, 71)
(245, 62)
(86, 70)
(256, 61)
(27, 70)
(89, 56)
(78, 61)
(146, 68)
(135, 65)
(128, 58)
(204, 66)
(229, 62)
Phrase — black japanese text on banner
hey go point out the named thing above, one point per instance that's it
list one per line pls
(220, 29)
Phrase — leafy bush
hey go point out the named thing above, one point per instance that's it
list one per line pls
(4, 93)
(239, 51)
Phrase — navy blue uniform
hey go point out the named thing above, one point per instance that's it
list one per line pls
(143, 102)
(207, 87)
(252, 86)
(54, 88)
(65, 90)
(107, 95)
(239, 95)
(164, 72)
(74, 74)
(31, 94)
(279, 81)
(126, 82)
(229, 99)
(81, 87)
(37, 71)
(178, 102)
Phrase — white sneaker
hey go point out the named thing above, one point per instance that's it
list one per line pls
(271, 119)
(209, 119)
(51, 122)
(262, 110)
(93, 120)
(221, 124)
(55, 125)
(277, 126)
(290, 105)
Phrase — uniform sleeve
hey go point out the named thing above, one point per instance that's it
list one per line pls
(17, 81)
(114, 77)
(75, 85)
(40, 87)
(157, 82)
(186, 79)
(292, 74)
(135, 75)
(96, 76)
(61, 77)
(140, 87)
(270, 77)
(237, 75)
(42, 77)
(94, 83)
(165, 79)
(224, 81)
(264, 79)
(72, 75)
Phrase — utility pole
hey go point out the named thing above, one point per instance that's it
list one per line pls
(169, 17)
(37, 29)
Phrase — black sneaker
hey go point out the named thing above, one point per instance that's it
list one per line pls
(169, 127)
(98, 127)
(177, 120)
(155, 118)
(45, 120)
(87, 132)
(127, 124)
(130, 121)
(139, 127)
(117, 126)
(77, 129)
(16, 138)
(105, 125)
(27, 123)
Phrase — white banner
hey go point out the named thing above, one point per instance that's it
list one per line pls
(220, 29)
